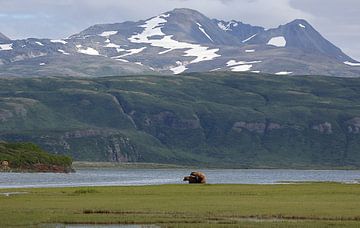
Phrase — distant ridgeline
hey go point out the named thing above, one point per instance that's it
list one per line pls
(221, 119)
(27, 157)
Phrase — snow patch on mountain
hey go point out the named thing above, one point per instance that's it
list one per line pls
(63, 52)
(351, 64)
(278, 41)
(6, 47)
(227, 27)
(153, 26)
(108, 33)
(203, 31)
(240, 66)
(283, 73)
(222, 26)
(246, 40)
(122, 60)
(216, 69)
(112, 45)
(88, 51)
(39, 43)
(234, 62)
(130, 52)
(58, 41)
(181, 67)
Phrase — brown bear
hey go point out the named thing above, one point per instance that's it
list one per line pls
(196, 178)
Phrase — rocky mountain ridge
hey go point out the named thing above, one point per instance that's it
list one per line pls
(178, 41)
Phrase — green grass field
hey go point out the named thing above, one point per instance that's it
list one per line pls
(288, 205)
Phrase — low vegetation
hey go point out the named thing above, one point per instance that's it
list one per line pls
(222, 119)
(290, 205)
(30, 157)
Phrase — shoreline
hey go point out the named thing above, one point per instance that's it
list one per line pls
(40, 168)
(144, 165)
(24, 188)
(113, 176)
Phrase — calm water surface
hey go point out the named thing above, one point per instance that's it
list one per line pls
(120, 177)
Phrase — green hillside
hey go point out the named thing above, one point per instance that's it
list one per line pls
(29, 157)
(210, 119)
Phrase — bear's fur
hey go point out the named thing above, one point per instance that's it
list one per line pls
(196, 178)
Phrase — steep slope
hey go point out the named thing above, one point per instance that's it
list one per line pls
(299, 34)
(193, 27)
(3, 38)
(214, 119)
(27, 157)
(241, 31)
(178, 41)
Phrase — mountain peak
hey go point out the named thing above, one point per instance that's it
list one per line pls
(181, 40)
(299, 23)
(186, 11)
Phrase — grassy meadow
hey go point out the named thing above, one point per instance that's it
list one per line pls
(285, 205)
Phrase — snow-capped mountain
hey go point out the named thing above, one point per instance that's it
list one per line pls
(182, 40)
(241, 31)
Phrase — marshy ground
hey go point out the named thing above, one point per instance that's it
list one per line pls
(283, 205)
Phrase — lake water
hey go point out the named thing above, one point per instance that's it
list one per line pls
(130, 177)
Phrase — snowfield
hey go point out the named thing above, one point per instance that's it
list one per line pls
(278, 41)
(88, 51)
(234, 62)
(116, 46)
(58, 41)
(153, 26)
(5, 47)
(223, 27)
(240, 66)
(179, 69)
(351, 64)
(122, 60)
(283, 73)
(39, 43)
(63, 52)
(130, 52)
(227, 27)
(111, 45)
(108, 33)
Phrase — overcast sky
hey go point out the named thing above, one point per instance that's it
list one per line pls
(337, 20)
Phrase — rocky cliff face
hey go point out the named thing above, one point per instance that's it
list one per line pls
(215, 119)
(87, 145)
